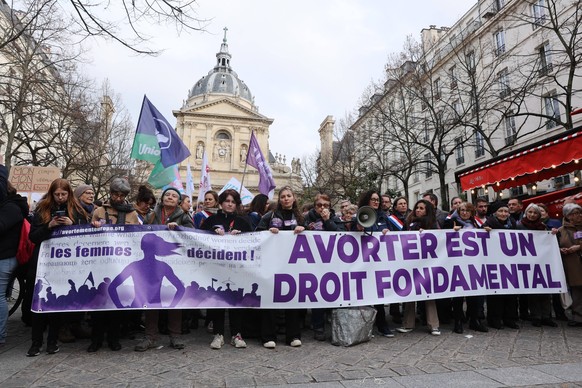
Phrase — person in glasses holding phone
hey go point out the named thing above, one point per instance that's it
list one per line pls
(57, 208)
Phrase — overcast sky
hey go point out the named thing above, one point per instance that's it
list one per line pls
(302, 59)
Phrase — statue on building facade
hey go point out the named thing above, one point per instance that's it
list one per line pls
(243, 153)
(199, 150)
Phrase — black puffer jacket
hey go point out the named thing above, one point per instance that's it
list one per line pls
(13, 210)
(227, 221)
(331, 225)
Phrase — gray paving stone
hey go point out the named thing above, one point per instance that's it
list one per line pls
(326, 376)
(517, 376)
(372, 383)
(298, 378)
(568, 372)
(354, 374)
(416, 359)
(239, 381)
(449, 380)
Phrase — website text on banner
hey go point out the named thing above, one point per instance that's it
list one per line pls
(140, 267)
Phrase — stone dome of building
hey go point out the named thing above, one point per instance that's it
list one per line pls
(222, 79)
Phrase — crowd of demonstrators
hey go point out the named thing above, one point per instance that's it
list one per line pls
(286, 216)
(224, 214)
(228, 220)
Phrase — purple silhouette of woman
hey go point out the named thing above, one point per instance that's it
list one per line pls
(148, 274)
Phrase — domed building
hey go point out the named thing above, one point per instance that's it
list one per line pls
(218, 118)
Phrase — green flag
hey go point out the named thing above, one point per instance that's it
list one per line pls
(161, 176)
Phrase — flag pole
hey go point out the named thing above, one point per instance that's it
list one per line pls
(246, 163)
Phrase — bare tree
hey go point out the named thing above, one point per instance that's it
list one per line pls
(33, 78)
(555, 64)
(347, 172)
(102, 145)
(124, 21)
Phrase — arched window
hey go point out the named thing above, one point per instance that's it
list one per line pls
(222, 135)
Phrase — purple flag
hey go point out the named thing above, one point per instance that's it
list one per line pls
(255, 158)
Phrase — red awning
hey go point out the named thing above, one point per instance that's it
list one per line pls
(554, 200)
(555, 158)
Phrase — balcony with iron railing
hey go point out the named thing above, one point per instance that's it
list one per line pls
(545, 70)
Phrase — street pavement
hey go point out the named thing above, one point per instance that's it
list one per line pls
(547, 357)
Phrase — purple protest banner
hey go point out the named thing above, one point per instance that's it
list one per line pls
(141, 267)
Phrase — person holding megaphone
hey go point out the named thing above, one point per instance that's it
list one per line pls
(370, 218)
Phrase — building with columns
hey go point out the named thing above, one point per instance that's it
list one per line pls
(497, 84)
(217, 118)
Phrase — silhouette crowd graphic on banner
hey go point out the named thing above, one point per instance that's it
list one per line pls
(147, 291)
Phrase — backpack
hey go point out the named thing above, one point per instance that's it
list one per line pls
(25, 246)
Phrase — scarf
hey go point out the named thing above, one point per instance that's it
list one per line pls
(122, 210)
(533, 225)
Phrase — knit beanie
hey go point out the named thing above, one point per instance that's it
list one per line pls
(176, 190)
(81, 189)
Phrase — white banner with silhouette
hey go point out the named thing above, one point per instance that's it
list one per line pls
(143, 267)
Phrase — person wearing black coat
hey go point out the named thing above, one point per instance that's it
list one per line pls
(501, 309)
(57, 208)
(13, 211)
(372, 198)
(227, 220)
(285, 217)
(464, 218)
(321, 217)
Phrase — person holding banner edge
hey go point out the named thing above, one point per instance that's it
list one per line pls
(422, 217)
(114, 211)
(58, 207)
(168, 212)
(540, 305)
(286, 216)
(321, 217)
(570, 241)
(463, 217)
(372, 199)
(227, 220)
(501, 309)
